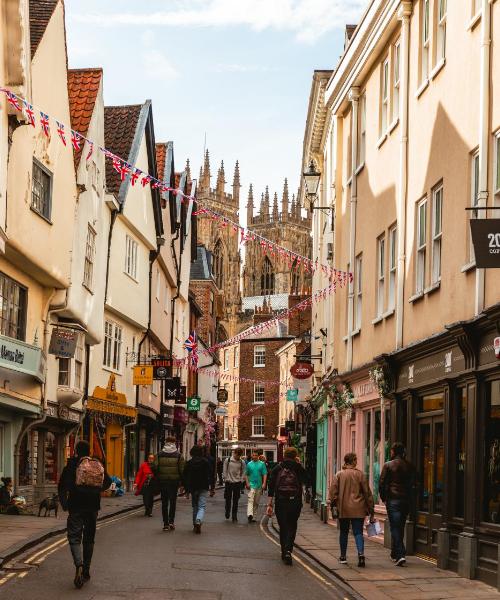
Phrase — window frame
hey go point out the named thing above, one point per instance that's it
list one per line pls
(396, 82)
(88, 266)
(112, 346)
(381, 251)
(226, 359)
(47, 216)
(425, 41)
(7, 324)
(259, 391)
(236, 357)
(393, 264)
(79, 359)
(358, 292)
(474, 196)
(441, 31)
(496, 169)
(261, 425)
(63, 374)
(131, 256)
(259, 355)
(437, 199)
(384, 96)
(362, 131)
(421, 248)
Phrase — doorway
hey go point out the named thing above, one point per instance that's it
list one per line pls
(430, 469)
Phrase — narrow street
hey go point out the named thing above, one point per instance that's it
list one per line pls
(134, 558)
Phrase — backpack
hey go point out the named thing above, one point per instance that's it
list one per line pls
(89, 473)
(228, 460)
(288, 484)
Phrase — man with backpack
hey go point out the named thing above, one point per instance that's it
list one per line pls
(234, 476)
(285, 486)
(168, 469)
(80, 485)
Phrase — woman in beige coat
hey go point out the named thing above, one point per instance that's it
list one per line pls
(350, 494)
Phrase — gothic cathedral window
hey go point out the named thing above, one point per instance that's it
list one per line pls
(267, 278)
(219, 264)
(295, 282)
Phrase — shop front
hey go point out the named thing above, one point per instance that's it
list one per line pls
(109, 414)
(322, 454)
(446, 409)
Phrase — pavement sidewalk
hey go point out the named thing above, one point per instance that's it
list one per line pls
(381, 580)
(20, 532)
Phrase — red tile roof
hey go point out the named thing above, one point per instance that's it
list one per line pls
(161, 155)
(40, 13)
(120, 124)
(83, 87)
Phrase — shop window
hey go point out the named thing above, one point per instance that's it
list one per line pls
(79, 352)
(368, 447)
(2, 449)
(50, 457)
(461, 421)
(491, 453)
(13, 307)
(387, 434)
(41, 190)
(26, 460)
(269, 455)
(431, 402)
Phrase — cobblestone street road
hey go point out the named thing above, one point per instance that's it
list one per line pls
(134, 558)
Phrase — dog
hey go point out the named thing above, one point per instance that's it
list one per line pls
(49, 503)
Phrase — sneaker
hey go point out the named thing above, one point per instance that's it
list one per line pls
(343, 560)
(197, 527)
(401, 562)
(78, 580)
(172, 527)
(287, 559)
(250, 518)
(361, 560)
(166, 528)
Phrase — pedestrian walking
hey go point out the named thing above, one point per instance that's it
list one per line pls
(198, 481)
(396, 486)
(285, 486)
(352, 498)
(220, 470)
(168, 468)
(80, 485)
(144, 484)
(256, 479)
(234, 476)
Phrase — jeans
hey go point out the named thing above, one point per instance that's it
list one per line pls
(253, 501)
(147, 498)
(199, 503)
(287, 514)
(168, 491)
(397, 511)
(81, 524)
(357, 532)
(232, 493)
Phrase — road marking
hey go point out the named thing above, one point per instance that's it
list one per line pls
(45, 549)
(7, 577)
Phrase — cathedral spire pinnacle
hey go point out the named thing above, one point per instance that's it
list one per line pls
(205, 172)
(284, 200)
(250, 206)
(188, 170)
(265, 205)
(292, 208)
(236, 183)
(276, 215)
(221, 179)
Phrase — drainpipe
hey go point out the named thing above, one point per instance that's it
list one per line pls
(404, 14)
(114, 214)
(484, 114)
(354, 99)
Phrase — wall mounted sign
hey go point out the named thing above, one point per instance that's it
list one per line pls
(181, 398)
(222, 395)
(292, 395)
(21, 357)
(486, 240)
(172, 387)
(161, 367)
(302, 370)
(63, 342)
(194, 403)
(143, 375)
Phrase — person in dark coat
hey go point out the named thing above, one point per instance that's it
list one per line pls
(198, 478)
(285, 487)
(168, 468)
(220, 470)
(143, 484)
(83, 507)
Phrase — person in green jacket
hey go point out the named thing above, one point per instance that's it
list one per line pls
(168, 469)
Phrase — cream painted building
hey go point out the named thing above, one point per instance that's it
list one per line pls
(405, 132)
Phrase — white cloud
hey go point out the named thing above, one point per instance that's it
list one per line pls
(308, 19)
(157, 65)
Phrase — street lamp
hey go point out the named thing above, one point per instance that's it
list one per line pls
(311, 179)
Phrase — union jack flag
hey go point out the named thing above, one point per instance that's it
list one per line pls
(44, 122)
(145, 180)
(121, 167)
(76, 140)
(134, 176)
(12, 100)
(91, 150)
(28, 109)
(60, 131)
(191, 345)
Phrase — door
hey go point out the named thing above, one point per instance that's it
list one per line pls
(114, 449)
(430, 470)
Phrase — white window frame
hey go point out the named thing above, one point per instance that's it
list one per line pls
(259, 356)
(393, 261)
(380, 275)
(226, 359)
(258, 424)
(396, 80)
(358, 292)
(384, 97)
(362, 131)
(496, 170)
(425, 41)
(421, 247)
(474, 196)
(88, 267)
(441, 30)
(79, 380)
(64, 372)
(259, 393)
(437, 232)
(475, 8)
(131, 251)
(235, 392)
(236, 357)
(113, 340)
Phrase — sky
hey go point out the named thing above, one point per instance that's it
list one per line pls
(231, 75)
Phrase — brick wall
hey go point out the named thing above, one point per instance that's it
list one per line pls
(300, 321)
(207, 322)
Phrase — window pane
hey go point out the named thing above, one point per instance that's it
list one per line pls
(431, 402)
(368, 416)
(492, 455)
(498, 164)
(461, 415)
(377, 433)
(50, 457)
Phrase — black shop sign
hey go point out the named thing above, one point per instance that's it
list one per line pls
(486, 240)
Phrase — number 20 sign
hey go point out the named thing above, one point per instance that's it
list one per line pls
(486, 239)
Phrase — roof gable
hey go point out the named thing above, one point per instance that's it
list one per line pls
(41, 12)
(83, 87)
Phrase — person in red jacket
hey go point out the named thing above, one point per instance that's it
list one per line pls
(144, 484)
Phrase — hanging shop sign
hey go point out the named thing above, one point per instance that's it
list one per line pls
(161, 367)
(486, 240)
(108, 401)
(221, 412)
(222, 396)
(182, 396)
(63, 342)
(143, 375)
(24, 358)
(290, 425)
(180, 415)
(292, 395)
(167, 416)
(194, 403)
(172, 387)
(302, 370)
